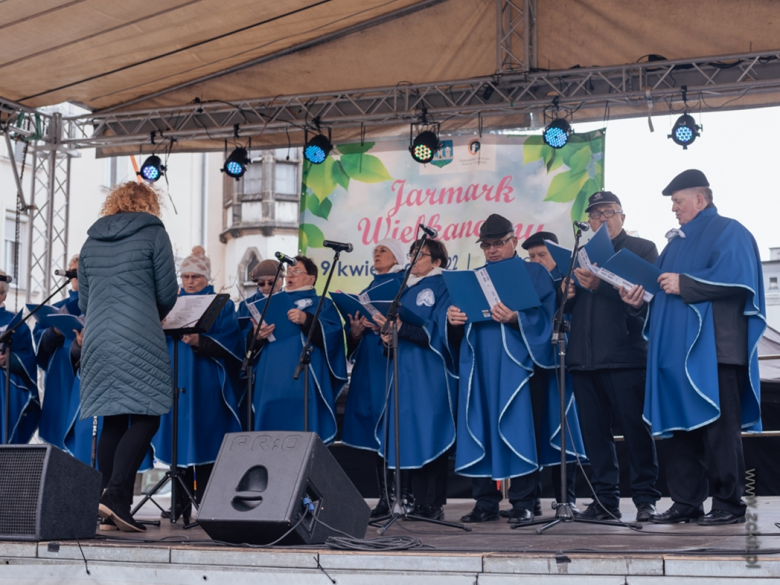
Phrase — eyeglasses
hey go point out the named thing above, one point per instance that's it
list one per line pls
(410, 255)
(608, 213)
(296, 272)
(261, 282)
(497, 244)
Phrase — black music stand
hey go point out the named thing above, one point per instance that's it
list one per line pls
(201, 325)
(563, 510)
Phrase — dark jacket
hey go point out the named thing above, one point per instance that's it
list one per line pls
(604, 334)
(127, 285)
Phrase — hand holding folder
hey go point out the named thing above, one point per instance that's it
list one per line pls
(279, 305)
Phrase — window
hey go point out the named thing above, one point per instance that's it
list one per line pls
(772, 283)
(11, 247)
(286, 178)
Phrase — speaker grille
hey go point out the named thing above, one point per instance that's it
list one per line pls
(20, 481)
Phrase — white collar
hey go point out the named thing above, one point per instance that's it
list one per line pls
(301, 289)
(415, 279)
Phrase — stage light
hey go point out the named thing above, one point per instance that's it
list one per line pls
(152, 169)
(317, 149)
(424, 146)
(685, 131)
(557, 132)
(235, 164)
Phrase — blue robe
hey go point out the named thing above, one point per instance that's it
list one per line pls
(278, 399)
(208, 407)
(496, 434)
(78, 436)
(426, 384)
(367, 386)
(25, 404)
(57, 380)
(682, 391)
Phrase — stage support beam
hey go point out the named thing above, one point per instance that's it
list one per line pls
(515, 31)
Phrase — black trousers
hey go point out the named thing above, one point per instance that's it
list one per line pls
(525, 490)
(713, 451)
(124, 442)
(429, 483)
(603, 397)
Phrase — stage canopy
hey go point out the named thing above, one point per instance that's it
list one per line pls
(373, 65)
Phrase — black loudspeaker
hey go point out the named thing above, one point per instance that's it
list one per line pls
(45, 494)
(260, 480)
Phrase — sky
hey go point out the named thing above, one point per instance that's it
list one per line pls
(639, 164)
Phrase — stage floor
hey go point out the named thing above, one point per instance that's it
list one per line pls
(491, 553)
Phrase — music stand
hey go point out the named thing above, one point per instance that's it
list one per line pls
(201, 325)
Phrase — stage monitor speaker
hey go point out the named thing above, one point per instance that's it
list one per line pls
(257, 489)
(45, 494)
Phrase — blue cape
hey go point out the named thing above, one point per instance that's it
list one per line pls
(278, 399)
(57, 380)
(495, 419)
(367, 386)
(25, 404)
(426, 386)
(208, 407)
(682, 366)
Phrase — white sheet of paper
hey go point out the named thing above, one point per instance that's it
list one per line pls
(488, 289)
(187, 311)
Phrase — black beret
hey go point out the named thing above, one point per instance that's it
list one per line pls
(538, 240)
(600, 197)
(686, 180)
(495, 226)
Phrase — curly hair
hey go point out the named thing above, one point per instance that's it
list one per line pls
(132, 197)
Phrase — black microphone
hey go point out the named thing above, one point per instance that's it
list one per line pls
(286, 259)
(6, 278)
(432, 233)
(584, 226)
(337, 246)
(66, 273)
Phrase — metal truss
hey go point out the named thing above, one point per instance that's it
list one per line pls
(585, 92)
(49, 208)
(515, 29)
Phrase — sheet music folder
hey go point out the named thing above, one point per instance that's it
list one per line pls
(194, 314)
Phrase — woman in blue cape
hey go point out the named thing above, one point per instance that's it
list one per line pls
(207, 366)
(426, 387)
(367, 386)
(25, 406)
(53, 356)
(278, 399)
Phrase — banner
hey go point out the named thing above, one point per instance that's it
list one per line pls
(363, 193)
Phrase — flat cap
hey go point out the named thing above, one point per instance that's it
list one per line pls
(600, 197)
(686, 180)
(495, 226)
(264, 268)
(538, 240)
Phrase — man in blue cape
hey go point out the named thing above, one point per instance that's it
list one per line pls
(507, 396)
(703, 329)
(607, 357)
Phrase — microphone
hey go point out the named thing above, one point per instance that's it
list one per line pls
(584, 226)
(286, 259)
(6, 278)
(66, 273)
(432, 233)
(337, 246)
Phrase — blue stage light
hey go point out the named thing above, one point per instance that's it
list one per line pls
(317, 149)
(235, 164)
(685, 131)
(152, 169)
(557, 133)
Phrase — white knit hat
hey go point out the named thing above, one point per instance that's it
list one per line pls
(196, 263)
(396, 248)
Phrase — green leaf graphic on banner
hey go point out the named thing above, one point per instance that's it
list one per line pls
(565, 186)
(580, 160)
(319, 208)
(319, 178)
(554, 163)
(581, 201)
(355, 148)
(309, 235)
(340, 176)
(365, 168)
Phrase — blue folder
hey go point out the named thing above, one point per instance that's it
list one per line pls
(510, 279)
(11, 324)
(599, 250)
(42, 315)
(278, 308)
(349, 305)
(65, 324)
(634, 269)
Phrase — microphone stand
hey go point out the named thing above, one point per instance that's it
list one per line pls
(305, 359)
(248, 364)
(399, 510)
(563, 510)
(7, 338)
